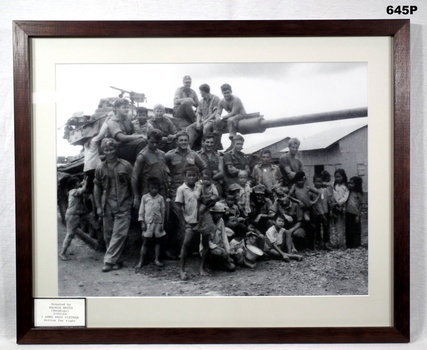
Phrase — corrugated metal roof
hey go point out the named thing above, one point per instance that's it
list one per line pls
(328, 137)
(311, 135)
(262, 144)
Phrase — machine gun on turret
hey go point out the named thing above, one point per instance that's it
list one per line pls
(133, 96)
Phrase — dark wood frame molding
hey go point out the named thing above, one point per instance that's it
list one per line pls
(24, 31)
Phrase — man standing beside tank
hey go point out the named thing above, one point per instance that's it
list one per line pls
(235, 161)
(184, 101)
(149, 163)
(213, 160)
(113, 197)
(289, 163)
(177, 161)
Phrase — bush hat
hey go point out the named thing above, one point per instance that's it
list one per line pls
(218, 208)
(259, 189)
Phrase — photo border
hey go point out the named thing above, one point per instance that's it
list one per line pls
(24, 31)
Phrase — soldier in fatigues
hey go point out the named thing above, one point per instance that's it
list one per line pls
(114, 198)
(177, 160)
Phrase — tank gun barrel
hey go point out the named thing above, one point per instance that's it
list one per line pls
(259, 124)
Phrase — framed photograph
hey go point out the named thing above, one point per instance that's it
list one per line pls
(228, 263)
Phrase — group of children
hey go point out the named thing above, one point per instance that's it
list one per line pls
(333, 211)
(238, 228)
(247, 224)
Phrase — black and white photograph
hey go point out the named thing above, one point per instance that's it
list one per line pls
(212, 179)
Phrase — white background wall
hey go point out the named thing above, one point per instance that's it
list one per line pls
(213, 10)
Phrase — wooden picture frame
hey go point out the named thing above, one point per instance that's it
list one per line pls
(25, 31)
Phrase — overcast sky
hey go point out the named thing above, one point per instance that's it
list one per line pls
(273, 89)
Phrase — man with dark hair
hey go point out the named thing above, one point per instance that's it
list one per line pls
(234, 161)
(205, 115)
(177, 161)
(121, 129)
(266, 173)
(184, 101)
(179, 158)
(140, 122)
(213, 160)
(262, 210)
(186, 203)
(150, 162)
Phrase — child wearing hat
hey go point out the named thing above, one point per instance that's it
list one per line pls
(219, 246)
(245, 252)
(261, 209)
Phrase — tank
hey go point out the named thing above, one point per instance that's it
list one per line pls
(80, 129)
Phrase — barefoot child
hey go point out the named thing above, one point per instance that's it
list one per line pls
(186, 201)
(340, 196)
(152, 218)
(276, 239)
(207, 195)
(321, 214)
(302, 193)
(74, 212)
(244, 193)
(353, 213)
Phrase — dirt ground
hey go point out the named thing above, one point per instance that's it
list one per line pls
(339, 272)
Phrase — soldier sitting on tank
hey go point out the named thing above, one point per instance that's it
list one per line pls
(235, 110)
(205, 117)
(184, 101)
(140, 123)
(121, 129)
(164, 124)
